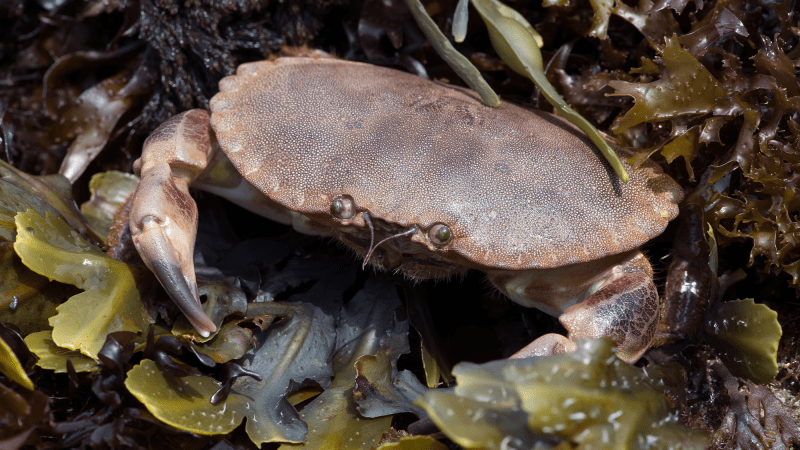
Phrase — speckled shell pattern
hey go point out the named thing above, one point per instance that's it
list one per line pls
(519, 189)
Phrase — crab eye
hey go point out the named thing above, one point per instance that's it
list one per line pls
(343, 208)
(440, 234)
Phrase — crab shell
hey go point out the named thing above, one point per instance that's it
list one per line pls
(519, 189)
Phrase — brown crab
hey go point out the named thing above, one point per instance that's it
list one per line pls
(420, 177)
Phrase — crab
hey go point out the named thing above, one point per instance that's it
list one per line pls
(418, 177)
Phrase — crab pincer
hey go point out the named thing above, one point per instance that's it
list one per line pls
(163, 216)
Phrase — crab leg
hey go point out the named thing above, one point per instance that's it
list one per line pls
(618, 301)
(163, 218)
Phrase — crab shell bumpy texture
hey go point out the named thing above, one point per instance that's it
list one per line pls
(519, 189)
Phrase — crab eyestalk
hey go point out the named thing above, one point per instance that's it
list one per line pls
(163, 217)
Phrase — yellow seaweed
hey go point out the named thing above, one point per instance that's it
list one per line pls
(602, 13)
(589, 399)
(414, 443)
(746, 336)
(53, 357)
(686, 145)
(434, 373)
(12, 368)
(110, 302)
(184, 402)
(109, 191)
(20, 191)
(334, 424)
(686, 87)
(27, 299)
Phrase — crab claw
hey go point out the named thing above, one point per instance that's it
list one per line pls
(164, 235)
(163, 218)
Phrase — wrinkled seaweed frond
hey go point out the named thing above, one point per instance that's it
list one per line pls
(588, 398)
(727, 93)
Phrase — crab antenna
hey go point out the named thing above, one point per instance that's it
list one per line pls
(408, 232)
(368, 221)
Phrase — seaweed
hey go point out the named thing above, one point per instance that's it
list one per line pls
(10, 364)
(755, 419)
(52, 193)
(745, 335)
(588, 398)
(24, 407)
(28, 298)
(413, 443)
(371, 323)
(459, 63)
(58, 359)
(365, 326)
(111, 300)
(517, 43)
(109, 191)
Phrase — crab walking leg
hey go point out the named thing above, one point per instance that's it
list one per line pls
(624, 309)
(163, 218)
(613, 297)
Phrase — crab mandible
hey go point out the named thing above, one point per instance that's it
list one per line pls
(367, 153)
